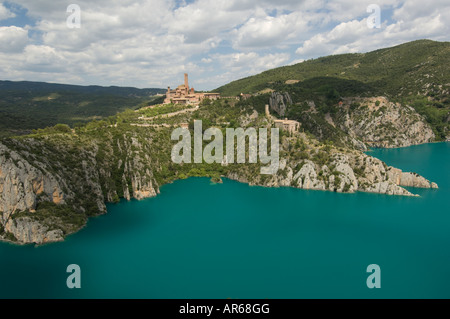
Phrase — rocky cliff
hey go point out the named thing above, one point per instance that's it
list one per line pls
(349, 172)
(279, 102)
(379, 122)
(48, 189)
(360, 122)
(52, 182)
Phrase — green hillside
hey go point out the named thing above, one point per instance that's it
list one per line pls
(25, 106)
(415, 73)
(393, 70)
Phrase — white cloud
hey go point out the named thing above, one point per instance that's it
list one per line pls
(150, 43)
(410, 23)
(203, 20)
(413, 9)
(243, 64)
(5, 13)
(270, 31)
(252, 61)
(296, 61)
(13, 39)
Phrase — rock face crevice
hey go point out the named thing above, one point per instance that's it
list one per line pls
(279, 102)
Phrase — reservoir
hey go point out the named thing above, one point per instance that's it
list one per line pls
(203, 240)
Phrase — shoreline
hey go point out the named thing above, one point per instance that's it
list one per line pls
(212, 182)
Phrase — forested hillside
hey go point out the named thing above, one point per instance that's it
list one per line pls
(415, 73)
(25, 106)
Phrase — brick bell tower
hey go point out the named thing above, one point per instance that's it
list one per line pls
(186, 83)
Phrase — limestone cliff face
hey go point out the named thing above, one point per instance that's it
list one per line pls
(21, 187)
(409, 179)
(379, 122)
(74, 182)
(339, 175)
(21, 183)
(279, 102)
(28, 230)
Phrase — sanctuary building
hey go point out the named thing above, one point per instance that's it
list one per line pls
(183, 94)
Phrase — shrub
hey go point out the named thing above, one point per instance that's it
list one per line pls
(346, 188)
(10, 236)
(62, 128)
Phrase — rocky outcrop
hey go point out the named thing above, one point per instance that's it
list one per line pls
(339, 175)
(71, 181)
(379, 122)
(409, 179)
(21, 184)
(306, 177)
(279, 102)
(27, 230)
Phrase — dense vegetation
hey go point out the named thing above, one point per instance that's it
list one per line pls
(415, 73)
(25, 106)
(393, 70)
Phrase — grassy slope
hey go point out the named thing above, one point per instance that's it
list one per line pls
(415, 73)
(389, 69)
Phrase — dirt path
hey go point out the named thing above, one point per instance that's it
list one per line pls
(169, 114)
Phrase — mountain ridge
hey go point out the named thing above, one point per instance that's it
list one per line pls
(26, 105)
(60, 87)
(416, 74)
(328, 64)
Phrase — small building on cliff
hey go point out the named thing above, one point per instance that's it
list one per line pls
(290, 126)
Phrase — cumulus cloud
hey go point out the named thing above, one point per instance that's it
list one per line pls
(238, 65)
(342, 36)
(150, 43)
(270, 31)
(203, 20)
(409, 23)
(13, 39)
(252, 61)
(5, 13)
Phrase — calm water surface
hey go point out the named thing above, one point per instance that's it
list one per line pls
(230, 240)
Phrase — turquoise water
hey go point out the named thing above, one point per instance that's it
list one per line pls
(230, 240)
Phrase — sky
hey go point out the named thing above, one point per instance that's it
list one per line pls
(151, 43)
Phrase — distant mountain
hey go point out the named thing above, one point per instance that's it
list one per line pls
(41, 87)
(30, 105)
(415, 73)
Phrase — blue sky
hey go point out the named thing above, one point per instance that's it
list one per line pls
(151, 43)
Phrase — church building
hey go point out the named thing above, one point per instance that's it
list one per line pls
(183, 94)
